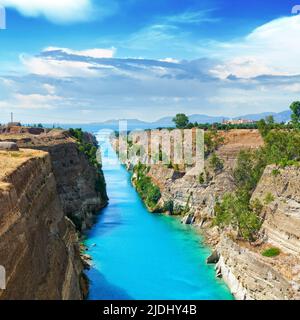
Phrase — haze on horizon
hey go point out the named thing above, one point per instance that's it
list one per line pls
(96, 60)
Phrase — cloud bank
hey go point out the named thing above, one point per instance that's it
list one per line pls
(272, 48)
(257, 73)
(58, 11)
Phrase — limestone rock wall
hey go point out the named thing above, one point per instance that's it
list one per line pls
(80, 185)
(282, 210)
(247, 272)
(38, 244)
(249, 275)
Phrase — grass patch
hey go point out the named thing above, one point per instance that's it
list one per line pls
(269, 198)
(272, 252)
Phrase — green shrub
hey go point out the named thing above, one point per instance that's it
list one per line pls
(212, 141)
(201, 178)
(216, 163)
(85, 147)
(282, 147)
(275, 172)
(249, 169)
(236, 211)
(272, 252)
(269, 198)
(149, 192)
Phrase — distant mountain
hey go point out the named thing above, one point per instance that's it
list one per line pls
(283, 116)
(278, 117)
(165, 122)
(131, 124)
(134, 124)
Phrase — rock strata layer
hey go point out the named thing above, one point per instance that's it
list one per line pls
(38, 244)
(46, 187)
(248, 273)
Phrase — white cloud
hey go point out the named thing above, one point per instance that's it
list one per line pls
(37, 101)
(244, 67)
(48, 63)
(57, 68)
(61, 11)
(31, 101)
(171, 60)
(295, 88)
(270, 49)
(91, 84)
(93, 53)
(191, 17)
(50, 89)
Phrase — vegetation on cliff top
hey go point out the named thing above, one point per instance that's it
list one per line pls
(281, 147)
(89, 149)
(236, 210)
(182, 121)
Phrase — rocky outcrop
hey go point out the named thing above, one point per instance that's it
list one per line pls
(252, 276)
(38, 243)
(249, 275)
(49, 190)
(185, 188)
(243, 267)
(80, 185)
(10, 146)
(279, 191)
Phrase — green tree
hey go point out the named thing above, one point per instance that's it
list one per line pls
(249, 169)
(282, 147)
(181, 121)
(295, 108)
(236, 211)
(266, 125)
(270, 120)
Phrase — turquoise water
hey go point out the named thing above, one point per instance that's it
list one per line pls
(138, 255)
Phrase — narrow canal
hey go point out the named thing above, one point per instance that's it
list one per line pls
(138, 255)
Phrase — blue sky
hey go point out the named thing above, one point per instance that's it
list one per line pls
(65, 61)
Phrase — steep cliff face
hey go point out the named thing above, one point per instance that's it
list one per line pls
(186, 189)
(282, 210)
(41, 186)
(81, 186)
(247, 272)
(38, 244)
(249, 275)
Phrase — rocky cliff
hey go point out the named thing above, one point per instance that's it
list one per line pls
(248, 273)
(185, 188)
(80, 185)
(38, 244)
(45, 186)
(279, 191)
